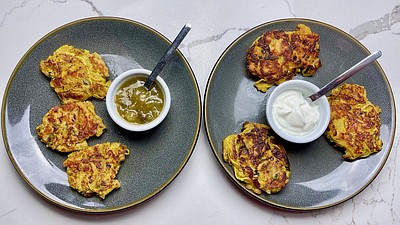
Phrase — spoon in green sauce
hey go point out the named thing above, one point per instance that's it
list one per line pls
(167, 55)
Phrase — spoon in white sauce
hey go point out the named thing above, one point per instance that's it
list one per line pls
(346, 75)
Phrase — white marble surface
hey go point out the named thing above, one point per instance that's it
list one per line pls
(190, 199)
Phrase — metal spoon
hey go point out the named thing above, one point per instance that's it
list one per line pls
(167, 55)
(347, 74)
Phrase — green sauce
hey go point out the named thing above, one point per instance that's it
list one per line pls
(136, 104)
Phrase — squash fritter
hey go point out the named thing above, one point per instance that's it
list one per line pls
(257, 158)
(76, 74)
(277, 55)
(66, 128)
(94, 169)
(355, 122)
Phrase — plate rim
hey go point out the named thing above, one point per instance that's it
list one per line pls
(222, 163)
(146, 197)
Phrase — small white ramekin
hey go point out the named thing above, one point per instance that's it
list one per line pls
(112, 109)
(307, 89)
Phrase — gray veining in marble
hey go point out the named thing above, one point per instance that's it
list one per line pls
(379, 25)
(376, 25)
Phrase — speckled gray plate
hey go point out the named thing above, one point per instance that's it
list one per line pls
(157, 156)
(320, 177)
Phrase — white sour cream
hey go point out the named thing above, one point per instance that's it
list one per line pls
(293, 114)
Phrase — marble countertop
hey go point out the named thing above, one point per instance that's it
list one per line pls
(189, 199)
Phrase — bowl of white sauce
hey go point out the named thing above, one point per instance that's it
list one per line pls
(292, 116)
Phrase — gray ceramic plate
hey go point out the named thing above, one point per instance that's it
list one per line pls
(320, 177)
(157, 156)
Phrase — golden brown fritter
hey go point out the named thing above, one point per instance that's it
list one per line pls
(355, 122)
(65, 128)
(76, 74)
(257, 158)
(94, 169)
(276, 56)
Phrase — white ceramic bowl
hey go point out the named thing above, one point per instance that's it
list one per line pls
(307, 89)
(112, 109)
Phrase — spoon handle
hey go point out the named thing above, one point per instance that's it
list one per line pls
(167, 55)
(347, 74)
